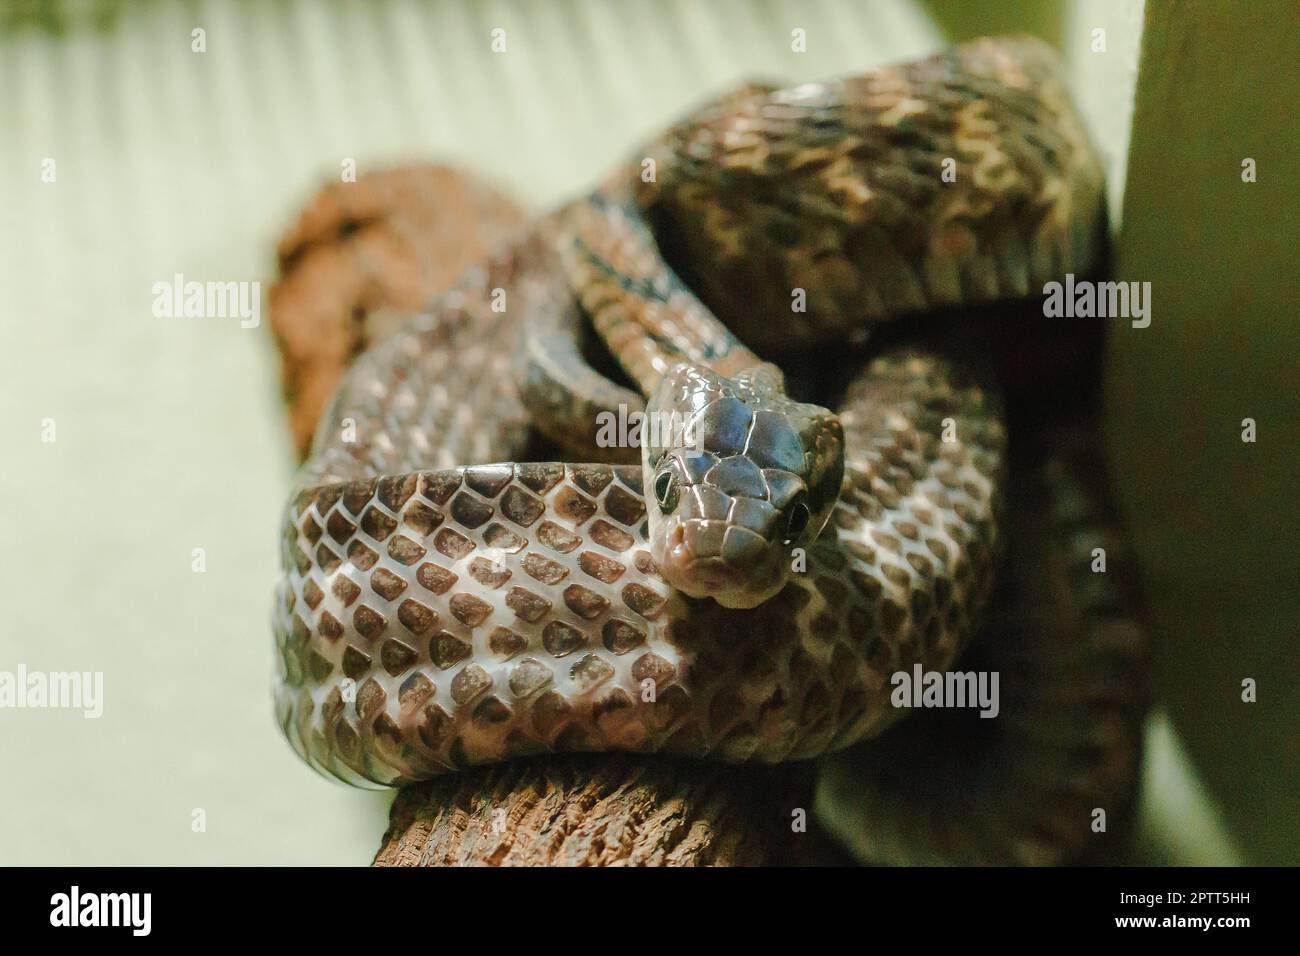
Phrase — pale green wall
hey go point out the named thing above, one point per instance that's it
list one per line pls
(170, 435)
(1216, 521)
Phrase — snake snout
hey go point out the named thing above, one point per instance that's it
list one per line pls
(727, 556)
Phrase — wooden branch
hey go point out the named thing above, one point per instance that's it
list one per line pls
(361, 258)
(608, 810)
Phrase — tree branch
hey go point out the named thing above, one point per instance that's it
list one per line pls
(608, 810)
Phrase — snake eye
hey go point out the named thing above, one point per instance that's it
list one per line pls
(796, 519)
(666, 492)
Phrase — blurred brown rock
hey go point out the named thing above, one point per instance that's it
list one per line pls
(364, 255)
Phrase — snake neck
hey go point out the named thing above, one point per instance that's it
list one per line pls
(740, 474)
(647, 316)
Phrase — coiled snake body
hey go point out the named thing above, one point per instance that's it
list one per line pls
(744, 598)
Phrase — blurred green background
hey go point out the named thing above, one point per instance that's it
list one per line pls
(170, 435)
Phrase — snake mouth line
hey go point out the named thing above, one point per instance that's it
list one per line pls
(697, 576)
(709, 576)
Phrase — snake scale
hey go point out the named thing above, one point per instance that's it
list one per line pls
(744, 593)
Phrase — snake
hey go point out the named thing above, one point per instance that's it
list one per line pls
(474, 571)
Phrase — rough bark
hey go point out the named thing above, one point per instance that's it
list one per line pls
(608, 810)
(363, 256)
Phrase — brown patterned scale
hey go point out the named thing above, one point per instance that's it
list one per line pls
(437, 619)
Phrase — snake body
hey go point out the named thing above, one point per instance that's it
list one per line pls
(446, 602)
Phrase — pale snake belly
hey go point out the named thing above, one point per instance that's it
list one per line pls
(437, 613)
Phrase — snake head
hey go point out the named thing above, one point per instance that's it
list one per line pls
(740, 476)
